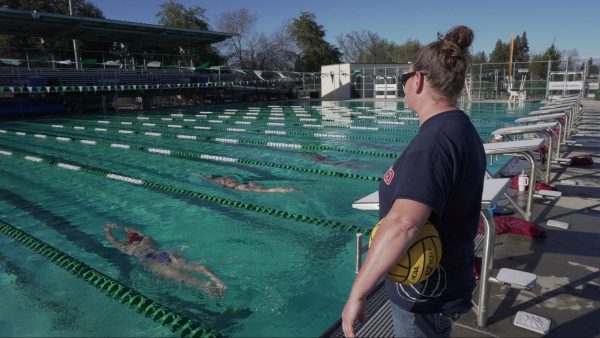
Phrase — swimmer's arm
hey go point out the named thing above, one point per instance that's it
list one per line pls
(112, 240)
(209, 274)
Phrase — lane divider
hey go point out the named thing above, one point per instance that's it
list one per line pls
(55, 161)
(261, 131)
(303, 124)
(238, 141)
(159, 313)
(199, 157)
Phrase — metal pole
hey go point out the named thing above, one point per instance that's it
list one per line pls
(566, 78)
(362, 82)
(487, 262)
(548, 79)
(480, 74)
(358, 251)
(27, 59)
(75, 51)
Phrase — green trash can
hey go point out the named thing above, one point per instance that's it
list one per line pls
(597, 96)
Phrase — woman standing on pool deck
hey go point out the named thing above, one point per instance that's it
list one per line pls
(163, 263)
(438, 178)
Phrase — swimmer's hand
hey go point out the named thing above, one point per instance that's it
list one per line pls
(109, 227)
(214, 291)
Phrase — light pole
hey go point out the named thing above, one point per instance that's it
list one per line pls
(75, 51)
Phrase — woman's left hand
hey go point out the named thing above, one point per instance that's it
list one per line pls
(355, 309)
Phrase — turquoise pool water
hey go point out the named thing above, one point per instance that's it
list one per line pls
(285, 277)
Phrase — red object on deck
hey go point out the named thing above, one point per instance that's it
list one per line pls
(509, 225)
(581, 160)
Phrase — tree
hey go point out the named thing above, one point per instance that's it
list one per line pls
(521, 48)
(14, 45)
(241, 23)
(174, 14)
(250, 50)
(571, 59)
(500, 53)
(80, 7)
(313, 50)
(407, 51)
(538, 66)
(592, 69)
(366, 47)
(552, 54)
(479, 57)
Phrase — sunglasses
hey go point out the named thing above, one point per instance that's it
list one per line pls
(405, 76)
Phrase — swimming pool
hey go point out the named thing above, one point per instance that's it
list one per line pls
(287, 258)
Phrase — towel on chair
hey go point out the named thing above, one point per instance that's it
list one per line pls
(516, 226)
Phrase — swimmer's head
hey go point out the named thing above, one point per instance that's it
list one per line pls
(132, 237)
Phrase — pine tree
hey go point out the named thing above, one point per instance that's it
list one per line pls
(314, 50)
(500, 53)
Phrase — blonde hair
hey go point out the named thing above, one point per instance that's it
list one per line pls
(447, 61)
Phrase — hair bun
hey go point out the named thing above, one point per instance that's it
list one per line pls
(462, 36)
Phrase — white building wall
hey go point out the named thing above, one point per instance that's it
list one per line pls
(335, 81)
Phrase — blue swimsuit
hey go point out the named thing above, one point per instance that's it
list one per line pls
(162, 256)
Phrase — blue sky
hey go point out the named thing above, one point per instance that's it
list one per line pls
(571, 24)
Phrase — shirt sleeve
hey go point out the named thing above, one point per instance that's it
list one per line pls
(425, 176)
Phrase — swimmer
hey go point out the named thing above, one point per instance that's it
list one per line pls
(163, 263)
(231, 183)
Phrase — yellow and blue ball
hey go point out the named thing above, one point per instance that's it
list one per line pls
(421, 259)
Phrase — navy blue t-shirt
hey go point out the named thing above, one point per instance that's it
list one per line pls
(443, 167)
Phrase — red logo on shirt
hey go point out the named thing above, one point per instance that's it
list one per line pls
(389, 176)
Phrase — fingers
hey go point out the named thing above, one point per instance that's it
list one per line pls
(348, 329)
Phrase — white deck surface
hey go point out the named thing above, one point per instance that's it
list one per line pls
(531, 128)
(541, 118)
(492, 190)
(509, 147)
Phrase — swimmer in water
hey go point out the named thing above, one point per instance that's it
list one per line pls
(232, 183)
(163, 263)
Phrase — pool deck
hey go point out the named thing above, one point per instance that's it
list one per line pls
(566, 262)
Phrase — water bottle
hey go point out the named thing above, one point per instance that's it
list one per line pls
(523, 181)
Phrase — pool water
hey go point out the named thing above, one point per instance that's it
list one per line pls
(284, 277)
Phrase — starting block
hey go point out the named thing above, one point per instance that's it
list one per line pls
(516, 278)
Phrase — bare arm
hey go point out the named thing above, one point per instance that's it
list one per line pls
(395, 235)
(208, 273)
(109, 236)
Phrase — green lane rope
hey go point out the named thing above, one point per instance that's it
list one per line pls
(192, 155)
(305, 125)
(37, 158)
(159, 313)
(222, 140)
(260, 131)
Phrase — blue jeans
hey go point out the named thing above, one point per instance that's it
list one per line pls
(421, 325)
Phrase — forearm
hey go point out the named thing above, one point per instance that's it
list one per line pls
(389, 246)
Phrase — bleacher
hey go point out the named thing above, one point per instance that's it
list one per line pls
(21, 76)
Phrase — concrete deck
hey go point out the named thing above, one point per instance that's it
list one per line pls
(566, 262)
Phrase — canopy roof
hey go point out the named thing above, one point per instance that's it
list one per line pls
(58, 26)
